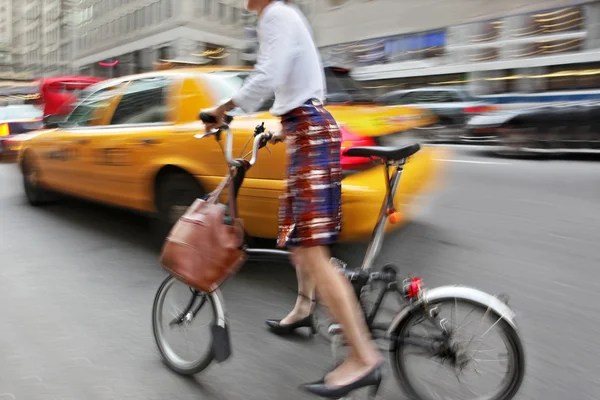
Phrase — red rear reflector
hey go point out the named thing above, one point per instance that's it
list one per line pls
(4, 130)
(414, 287)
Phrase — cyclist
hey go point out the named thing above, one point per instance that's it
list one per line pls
(289, 66)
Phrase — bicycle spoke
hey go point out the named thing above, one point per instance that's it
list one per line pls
(486, 332)
(479, 326)
(482, 360)
(452, 319)
(464, 325)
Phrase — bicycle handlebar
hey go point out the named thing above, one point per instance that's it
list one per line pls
(209, 119)
(260, 140)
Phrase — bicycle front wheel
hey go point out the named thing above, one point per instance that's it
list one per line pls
(182, 319)
(458, 348)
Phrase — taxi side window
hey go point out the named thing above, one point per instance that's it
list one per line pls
(392, 100)
(411, 98)
(144, 102)
(441, 96)
(90, 109)
(400, 99)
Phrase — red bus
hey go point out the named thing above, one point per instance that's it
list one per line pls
(58, 94)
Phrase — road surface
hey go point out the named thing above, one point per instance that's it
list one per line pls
(77, 282)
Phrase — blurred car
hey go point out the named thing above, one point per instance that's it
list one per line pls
(14, 121)
(453, 105)
(486, 128)
(130, 142)
(542, 129)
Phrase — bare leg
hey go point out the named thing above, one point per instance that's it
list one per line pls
(306, 292)
(337, 295)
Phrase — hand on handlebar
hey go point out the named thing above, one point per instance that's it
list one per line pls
(276, 137)
(213, 118)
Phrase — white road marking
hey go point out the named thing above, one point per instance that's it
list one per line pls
(575, 239)
(459, 146)
(565, 285)
(473, 161)
(542, 203)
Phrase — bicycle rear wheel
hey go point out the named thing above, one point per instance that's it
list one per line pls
(457, 339)
(192, 310)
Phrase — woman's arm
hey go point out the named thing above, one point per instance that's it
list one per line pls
(273, 65)
(271, 69)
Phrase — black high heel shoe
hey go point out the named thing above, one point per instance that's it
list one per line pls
(286, 329)
(373, 379)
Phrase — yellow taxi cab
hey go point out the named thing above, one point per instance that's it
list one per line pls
(129, 142)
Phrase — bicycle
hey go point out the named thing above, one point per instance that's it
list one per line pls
(419, 305)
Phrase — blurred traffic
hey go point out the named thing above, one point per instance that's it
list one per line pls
(130, 142)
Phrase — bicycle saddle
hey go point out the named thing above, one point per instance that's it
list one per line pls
(387, 152)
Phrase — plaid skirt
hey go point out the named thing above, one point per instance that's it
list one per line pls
(310, 209)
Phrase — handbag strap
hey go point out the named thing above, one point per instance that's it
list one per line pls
(213, 197)
(232, 203)
(235, 184)
(230, 182)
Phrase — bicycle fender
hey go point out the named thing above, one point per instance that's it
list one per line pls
(465, 293)
(221, 341)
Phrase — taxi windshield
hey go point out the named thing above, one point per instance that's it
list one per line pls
(341, 87)
(227, 83)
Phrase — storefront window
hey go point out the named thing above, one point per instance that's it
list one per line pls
(386, 50)
(416, 47)
(484, 32)
(484, 54)
(572, 77)
(564, 20)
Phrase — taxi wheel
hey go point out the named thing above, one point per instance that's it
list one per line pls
(175, 192)
(35, 193)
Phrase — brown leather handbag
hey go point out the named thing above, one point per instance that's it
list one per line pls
(205, 246)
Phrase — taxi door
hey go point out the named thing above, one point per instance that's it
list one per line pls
(66, 152)
(136, 132)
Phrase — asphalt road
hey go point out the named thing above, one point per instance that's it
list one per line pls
(77, 282)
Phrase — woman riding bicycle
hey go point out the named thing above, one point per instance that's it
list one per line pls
(289, 67)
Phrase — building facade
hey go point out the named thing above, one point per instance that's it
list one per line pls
(37, 29)
(5, 35)
(67, 34)
(121, 37)
(493, 47)
(17, 44)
